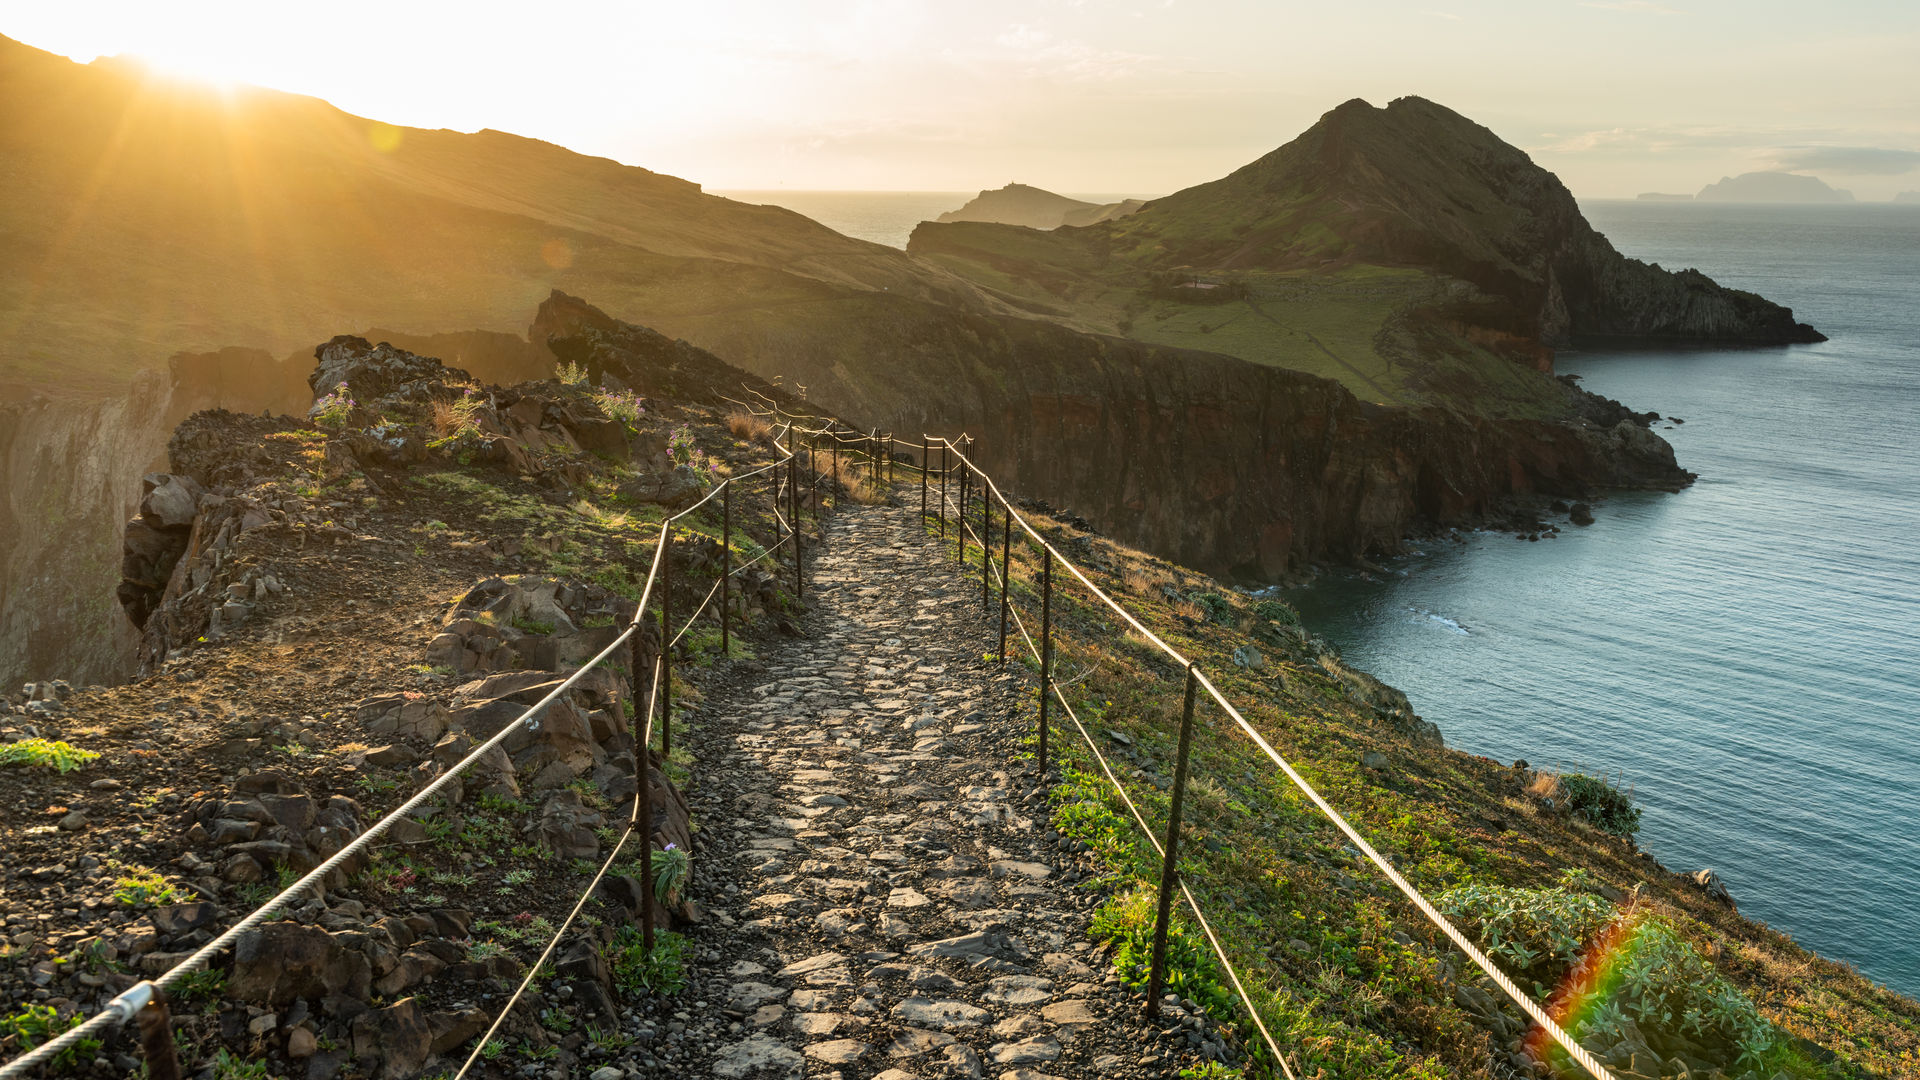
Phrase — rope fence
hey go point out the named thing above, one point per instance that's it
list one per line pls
(148, 999)
(1196, 678)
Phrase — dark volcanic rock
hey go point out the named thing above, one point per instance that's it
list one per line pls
(376, 371)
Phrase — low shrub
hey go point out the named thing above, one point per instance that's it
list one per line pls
(53, 755)
(1622, 981)
(1605, 806)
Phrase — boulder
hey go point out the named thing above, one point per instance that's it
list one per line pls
(398, 1037)
(567, 824)
(1709, 882)
(278, 963)
(170, 502)
(378, 371)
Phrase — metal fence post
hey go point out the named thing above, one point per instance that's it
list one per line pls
(960, 522)
(943, 488)
(925, 454)
(1006, 575)
(799, 542)
(986, 544)
(726, 561)
(643, 794)
(892, 452)
(813, 474)
(1157, 969)
(666, 640)
(1046, 650)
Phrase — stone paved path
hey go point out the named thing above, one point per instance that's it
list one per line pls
(891, 903)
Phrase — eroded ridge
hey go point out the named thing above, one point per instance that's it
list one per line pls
(895, 904)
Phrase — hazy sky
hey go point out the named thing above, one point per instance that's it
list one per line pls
(1616, 96)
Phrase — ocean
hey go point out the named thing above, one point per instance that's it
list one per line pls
(1745, 654)
(884, 217)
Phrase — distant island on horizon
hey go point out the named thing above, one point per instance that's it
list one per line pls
(1769, 187)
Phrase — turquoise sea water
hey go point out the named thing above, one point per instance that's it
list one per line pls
(1747, 651)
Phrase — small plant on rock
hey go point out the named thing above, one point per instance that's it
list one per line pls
(627, 408)
(143, 887)
(671, 868)
(570, 373)
(681, 448)
(333, 410)
(458, 419)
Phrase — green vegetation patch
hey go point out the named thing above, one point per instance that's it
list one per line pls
(54, 755)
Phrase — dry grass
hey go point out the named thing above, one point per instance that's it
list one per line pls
(850, 476)
(1545, 785)
(445, 420)
(749, 426)
(1146, 580)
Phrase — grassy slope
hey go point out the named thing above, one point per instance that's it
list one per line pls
(1349, 976)
(1349, 323)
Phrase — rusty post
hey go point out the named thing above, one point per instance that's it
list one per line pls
(156, 1038)
(960, 522)
(726, 560)
(833, 481)
(944, 470)
(643, 816)
(986, 544)
(799, 542)
(892, 452)
(1157, 968)
(925, 453)
(666, 639)
(1046, 651)
(813, 475)
(1006, 574)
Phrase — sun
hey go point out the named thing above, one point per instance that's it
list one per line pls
(208, 68)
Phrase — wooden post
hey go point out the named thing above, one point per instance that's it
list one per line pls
(726, 561)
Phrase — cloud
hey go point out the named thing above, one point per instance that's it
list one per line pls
(1850, 160)
(1636, 7)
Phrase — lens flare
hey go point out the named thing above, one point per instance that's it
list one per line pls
(1591, 983)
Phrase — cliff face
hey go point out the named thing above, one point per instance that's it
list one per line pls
(1214, 462)
(70, 473)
